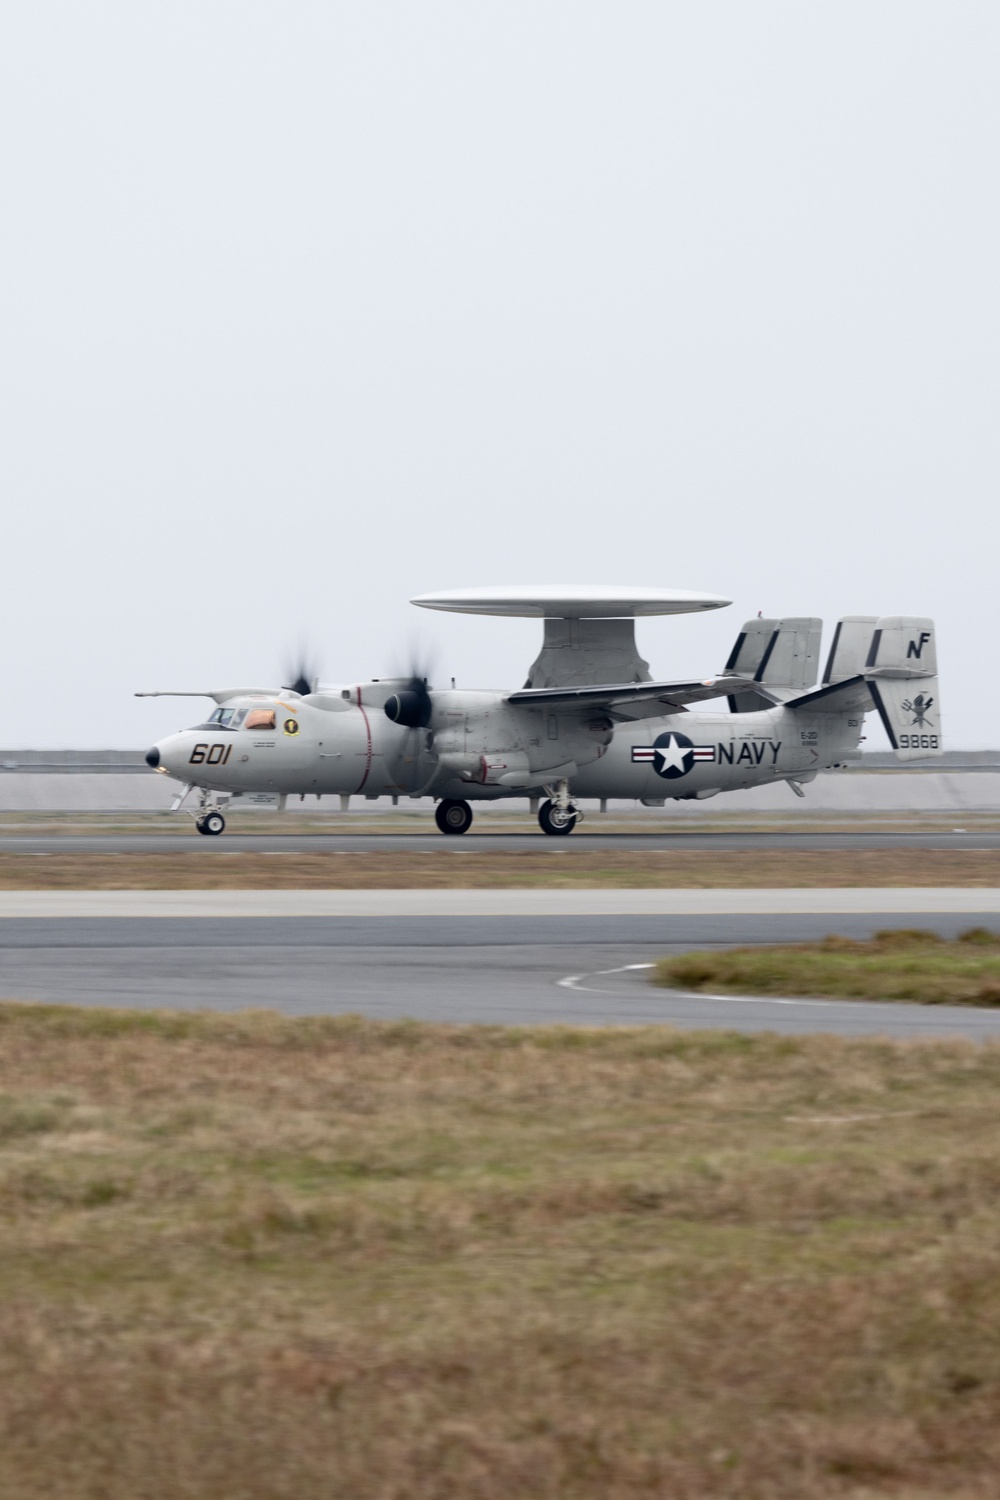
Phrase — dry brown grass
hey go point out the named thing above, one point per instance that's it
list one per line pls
(897, 964)
(197, 868)
(248, 1257)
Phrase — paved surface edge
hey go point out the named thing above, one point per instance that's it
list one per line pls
(502, 903)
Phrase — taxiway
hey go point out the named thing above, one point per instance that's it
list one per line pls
(508, 958)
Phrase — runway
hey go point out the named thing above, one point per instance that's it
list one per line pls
(586, 839)
(472, 964)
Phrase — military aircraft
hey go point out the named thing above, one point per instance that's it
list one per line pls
(589, 722)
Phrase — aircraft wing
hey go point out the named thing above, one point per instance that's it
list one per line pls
(221, 695)
(633, 700)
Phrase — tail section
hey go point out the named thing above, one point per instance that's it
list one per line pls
(901, 672)
(889, 664)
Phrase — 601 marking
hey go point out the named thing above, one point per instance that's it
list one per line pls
(210, 755)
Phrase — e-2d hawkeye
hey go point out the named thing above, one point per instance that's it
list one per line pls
(589, 722)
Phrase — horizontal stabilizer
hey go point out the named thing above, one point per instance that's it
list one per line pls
(849, 697)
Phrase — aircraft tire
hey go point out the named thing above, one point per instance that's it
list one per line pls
(453, 816)
(552, 822)
(214, 823)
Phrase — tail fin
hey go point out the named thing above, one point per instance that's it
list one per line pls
(852, 638)
(777, 654)
(901, 672)
(890, 663)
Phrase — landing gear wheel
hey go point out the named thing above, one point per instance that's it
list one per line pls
(452, 816)
(554, 819)
(211, 823)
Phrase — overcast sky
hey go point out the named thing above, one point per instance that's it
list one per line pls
(306, 309)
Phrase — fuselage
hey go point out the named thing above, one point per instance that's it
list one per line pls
(478, 746)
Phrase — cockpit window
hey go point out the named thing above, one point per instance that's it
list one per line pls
(227, 718)
(260, 718)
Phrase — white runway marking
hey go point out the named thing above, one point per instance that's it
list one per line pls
(576, 982)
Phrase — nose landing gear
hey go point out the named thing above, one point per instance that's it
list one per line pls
(452, 816)
(211, 823)
(208, 818)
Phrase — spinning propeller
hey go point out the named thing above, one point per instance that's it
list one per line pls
(411, 706)
(302, 675)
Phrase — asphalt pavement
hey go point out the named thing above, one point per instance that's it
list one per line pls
(468, 965)
(586, 839)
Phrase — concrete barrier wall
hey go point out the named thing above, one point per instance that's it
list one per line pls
(84, 792)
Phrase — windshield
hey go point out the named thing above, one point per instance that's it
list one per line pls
(229, 718)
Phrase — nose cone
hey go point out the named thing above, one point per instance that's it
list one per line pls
(153, 757)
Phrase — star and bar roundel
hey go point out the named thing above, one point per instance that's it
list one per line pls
(672, 754)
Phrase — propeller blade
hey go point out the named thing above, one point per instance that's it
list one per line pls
(412, 706)
(302, 675)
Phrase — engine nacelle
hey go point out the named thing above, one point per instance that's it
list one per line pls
(411, 708)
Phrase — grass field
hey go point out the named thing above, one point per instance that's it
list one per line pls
(898, 964)
(247, 1257)
(455, 866)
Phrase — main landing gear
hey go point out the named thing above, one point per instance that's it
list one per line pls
(452, 816)
(559, 815)
(555, 819)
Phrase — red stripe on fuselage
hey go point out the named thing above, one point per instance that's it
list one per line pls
(368, 731)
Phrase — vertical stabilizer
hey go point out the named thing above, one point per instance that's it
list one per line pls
(852, 639)
(779, 654)
(901, 672)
